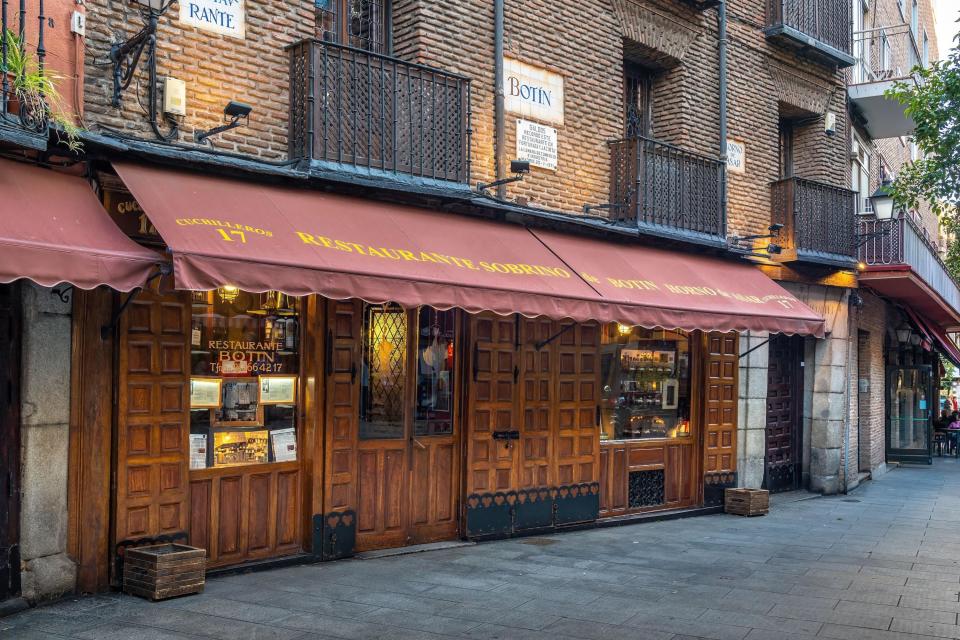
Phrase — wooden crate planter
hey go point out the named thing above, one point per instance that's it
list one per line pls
(164, 571)
(747, 502)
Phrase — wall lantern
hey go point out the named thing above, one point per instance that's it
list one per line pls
(228, 293)
(903, 334)
(882, 201)
(915, 339)
(624, 329)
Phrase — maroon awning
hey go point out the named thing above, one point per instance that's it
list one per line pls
(53, 230)
(941, 341)
(258, 237)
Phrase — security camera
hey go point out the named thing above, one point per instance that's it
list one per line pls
(776, 227)
(830, 124)
(237, 109)
(519, 167)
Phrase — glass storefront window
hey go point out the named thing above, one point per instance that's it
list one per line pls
(245, 373)
(435, 357)
(645, 376)
(383, 372)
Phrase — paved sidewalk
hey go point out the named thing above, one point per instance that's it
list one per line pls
(882, 563)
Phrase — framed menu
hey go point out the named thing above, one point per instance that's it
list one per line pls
(205, 393)
(278, 389)
(284, 443)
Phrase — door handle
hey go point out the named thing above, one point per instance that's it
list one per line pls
(353, 373)
(417, 443)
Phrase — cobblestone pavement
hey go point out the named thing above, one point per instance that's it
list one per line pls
(881, 563)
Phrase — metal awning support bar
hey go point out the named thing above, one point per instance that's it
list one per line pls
(106, 330)
(752, 349)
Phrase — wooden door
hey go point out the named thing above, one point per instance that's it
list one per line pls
(577, 432)
(721, 380)
(9, 441)
(784, 399)
(491, 463)
(153, 418)
(537, 403)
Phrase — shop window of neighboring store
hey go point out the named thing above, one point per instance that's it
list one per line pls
(245, 374)
(645, 376)
(357, 23)
(385, 359)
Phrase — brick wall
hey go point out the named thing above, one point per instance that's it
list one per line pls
(584, 42)
(216, 68)
(871, 322)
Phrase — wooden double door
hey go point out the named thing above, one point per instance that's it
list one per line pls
(784, 429)
(393, 432)
(533, 417)
(9, 441)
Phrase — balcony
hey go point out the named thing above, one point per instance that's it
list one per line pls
(666, 191)
(885, 55)
(23, 122)
(901, 261)
(819, 29)
(353, 109)
(818, 222)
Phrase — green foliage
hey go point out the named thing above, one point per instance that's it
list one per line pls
(38, 90)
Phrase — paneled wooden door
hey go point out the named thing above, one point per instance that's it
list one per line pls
(9, 441)
(399, 468)
(784, 429)
(153, 420)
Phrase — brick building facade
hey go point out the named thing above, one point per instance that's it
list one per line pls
(788, 412)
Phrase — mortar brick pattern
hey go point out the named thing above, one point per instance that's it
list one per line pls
(585, 42)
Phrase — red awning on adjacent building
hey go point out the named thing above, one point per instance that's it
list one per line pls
(941, 341)
(259, 237)
(53, 230)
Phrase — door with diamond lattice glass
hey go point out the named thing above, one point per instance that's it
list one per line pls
(407, 448)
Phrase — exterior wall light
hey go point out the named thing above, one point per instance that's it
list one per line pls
(882, 201)
(518, 168)
(228, 293)
(903, 334)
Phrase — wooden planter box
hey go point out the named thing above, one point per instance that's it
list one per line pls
(747, 502)
(164, 571)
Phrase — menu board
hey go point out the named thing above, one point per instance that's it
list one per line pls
(198, 451)
(278, 389)
(204, 393)
(284, 445)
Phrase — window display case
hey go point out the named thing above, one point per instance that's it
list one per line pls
(646, 384)
(244, 359)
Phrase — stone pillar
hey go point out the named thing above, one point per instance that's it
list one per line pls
(829, 414)
(45, 418)
(752, 410)
(826, 413)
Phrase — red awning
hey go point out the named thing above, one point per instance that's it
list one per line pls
(938, 336)
(259, 237)
(53, 230)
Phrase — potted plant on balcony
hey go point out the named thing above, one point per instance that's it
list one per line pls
(35, 98)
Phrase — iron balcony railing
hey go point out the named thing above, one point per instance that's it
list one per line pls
(903, 241)
(827, 21)
(660, 187)
(355, 107)
(22, 53)
(817, 219)
(884, 53)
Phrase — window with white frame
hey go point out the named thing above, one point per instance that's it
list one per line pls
(860, 173)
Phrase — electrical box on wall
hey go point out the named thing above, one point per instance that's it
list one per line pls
(78, 23)
(174, 96)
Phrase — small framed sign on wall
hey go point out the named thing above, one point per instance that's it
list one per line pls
(226, 17)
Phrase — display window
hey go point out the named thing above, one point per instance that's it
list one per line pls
(645, 383)
(435, 353)
(245, 375)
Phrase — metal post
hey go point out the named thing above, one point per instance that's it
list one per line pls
(499, 107)
(3, 58)
(722, 54)
(41, 51)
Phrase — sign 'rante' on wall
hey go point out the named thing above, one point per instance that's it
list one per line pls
(532, 92)
(226, 17)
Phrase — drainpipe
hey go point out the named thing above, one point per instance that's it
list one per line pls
(499, 122)
(722, 54)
